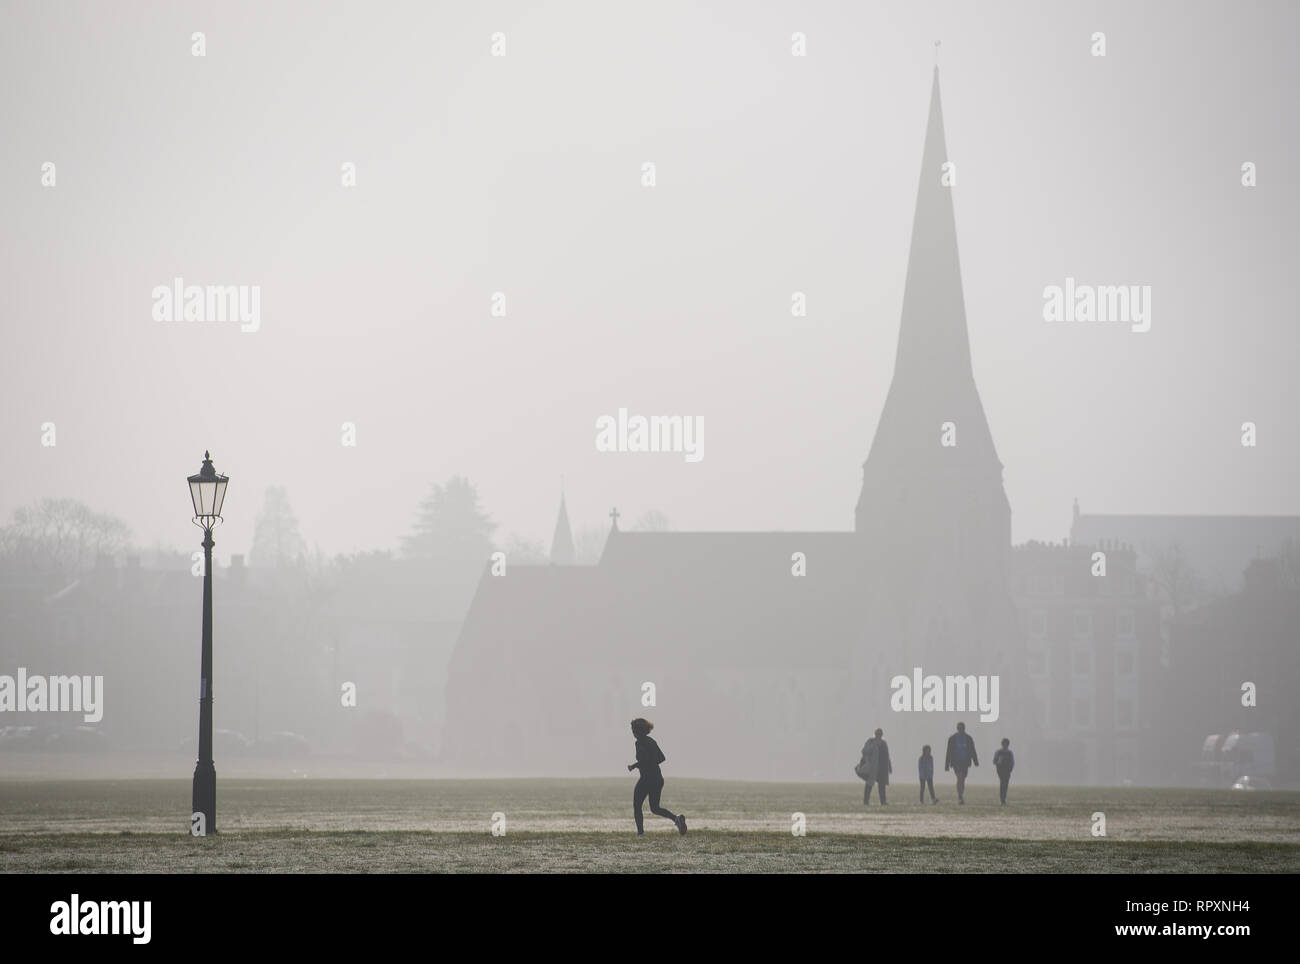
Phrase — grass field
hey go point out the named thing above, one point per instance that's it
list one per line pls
(392, 826)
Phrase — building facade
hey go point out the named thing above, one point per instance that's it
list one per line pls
(1092, 644)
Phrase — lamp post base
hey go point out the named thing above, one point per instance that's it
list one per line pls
(204, 800)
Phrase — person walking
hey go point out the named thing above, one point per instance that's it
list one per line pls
(866, 768)
(876, 753)
(925, 769)
(961, 754)
(1004, 761)
(651, 781)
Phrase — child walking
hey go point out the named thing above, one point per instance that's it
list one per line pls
(925, 767)
(1004, 761)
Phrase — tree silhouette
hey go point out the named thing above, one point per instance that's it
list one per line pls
(1288, 561)
(589, 543)
(1180, 586)
(63, 535)
(652, 521)
(520, 550)
(451, 529)
(276, 539)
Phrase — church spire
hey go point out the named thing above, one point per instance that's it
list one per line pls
(562, 553)
(932, 427)
(932, 336)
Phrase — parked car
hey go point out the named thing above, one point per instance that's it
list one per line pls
(1252, 783)
(1227, 759)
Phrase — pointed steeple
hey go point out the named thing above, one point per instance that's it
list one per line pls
(932, 336)
(933, 383)
(562, 553)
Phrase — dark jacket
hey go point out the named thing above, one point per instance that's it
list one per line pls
(648, 757)
(951, 759)
(925, 767)
(883, 767)
(1004, 761)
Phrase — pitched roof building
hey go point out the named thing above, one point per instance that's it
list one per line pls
(770, 655)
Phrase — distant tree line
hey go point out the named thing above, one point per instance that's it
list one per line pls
(451, 533)
(61, 536)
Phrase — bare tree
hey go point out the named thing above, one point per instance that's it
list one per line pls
(62, 534)
(589, 543)
(524, 552)
(1180, 586)
(1180, 589)
(589, 540)
(1288, 560)
(652, 521)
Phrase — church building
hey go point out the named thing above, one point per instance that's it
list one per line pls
(770, 655)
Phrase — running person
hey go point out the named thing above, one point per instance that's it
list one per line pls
(651, 782)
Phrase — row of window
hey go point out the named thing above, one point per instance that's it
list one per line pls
(1081, 716)
(1046, 583)
(1083, 622)
(1082, 662)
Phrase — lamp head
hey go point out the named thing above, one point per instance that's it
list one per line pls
(207, 492)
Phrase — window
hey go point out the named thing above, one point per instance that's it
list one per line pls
(1082, 662)
(1037, 663)
(1038, 623)
(1124, 622)
(1082, 622)
(1124, 714)
(1082, 713)
(1123, 663)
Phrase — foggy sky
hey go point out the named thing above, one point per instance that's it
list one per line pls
(521, 174)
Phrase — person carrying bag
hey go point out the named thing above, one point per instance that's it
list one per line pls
(866, 767)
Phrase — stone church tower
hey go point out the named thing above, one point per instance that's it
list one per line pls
(763, 673)
(933, 518)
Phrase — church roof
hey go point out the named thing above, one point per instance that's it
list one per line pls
(732, 598)
(769, 648)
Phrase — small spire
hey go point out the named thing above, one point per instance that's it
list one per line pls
(936, 54)
(562, 550)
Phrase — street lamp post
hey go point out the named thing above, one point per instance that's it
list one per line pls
(207, 491)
